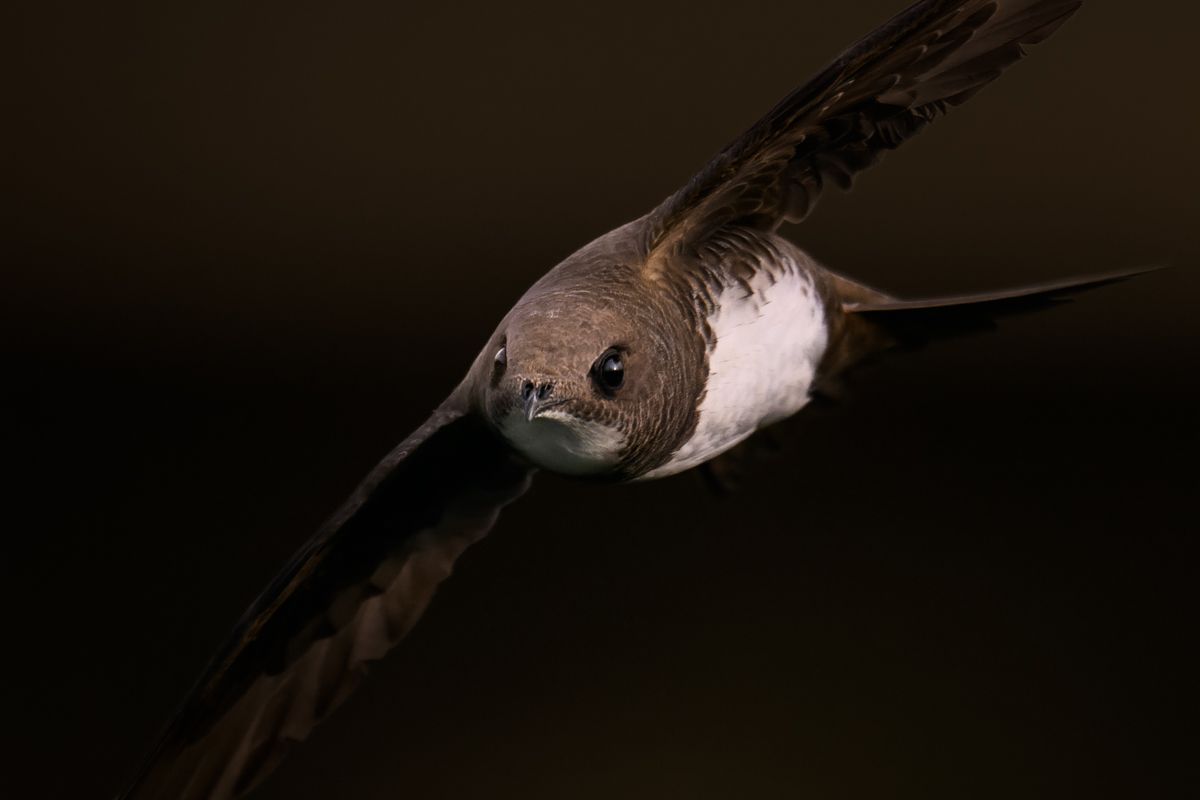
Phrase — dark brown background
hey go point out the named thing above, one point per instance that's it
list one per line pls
(252, 245)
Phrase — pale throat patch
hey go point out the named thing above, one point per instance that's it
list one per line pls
(768, 346)
(562, 443)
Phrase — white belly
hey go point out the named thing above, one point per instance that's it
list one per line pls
(768, 346)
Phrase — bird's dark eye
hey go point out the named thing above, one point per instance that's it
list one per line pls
(502, 358)
(609, 371)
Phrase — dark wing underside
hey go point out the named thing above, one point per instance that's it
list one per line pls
(345, 599)
(884, 89)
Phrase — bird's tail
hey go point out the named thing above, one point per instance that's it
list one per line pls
(873, 322)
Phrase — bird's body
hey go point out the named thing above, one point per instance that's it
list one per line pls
(651, 350)
(766, 337)
(756, 321)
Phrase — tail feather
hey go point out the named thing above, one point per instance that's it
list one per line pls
(999, 303)
(873, 322)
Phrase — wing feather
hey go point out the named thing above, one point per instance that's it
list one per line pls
(351, 593)
(876, 95)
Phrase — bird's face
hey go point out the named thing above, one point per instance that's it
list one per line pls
(561, 387)
(579, 387)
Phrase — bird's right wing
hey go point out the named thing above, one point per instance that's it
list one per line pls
(346, 598)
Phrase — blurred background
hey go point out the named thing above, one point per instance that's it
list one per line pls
(250, 246)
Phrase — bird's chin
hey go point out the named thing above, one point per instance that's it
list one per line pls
(560, 442)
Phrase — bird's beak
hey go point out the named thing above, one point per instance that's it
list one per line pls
(532, 404)
(535, 401)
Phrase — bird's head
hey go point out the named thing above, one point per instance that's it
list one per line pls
(590, 378)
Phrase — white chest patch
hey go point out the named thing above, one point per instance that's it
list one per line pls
(768, 346)
(561, 443)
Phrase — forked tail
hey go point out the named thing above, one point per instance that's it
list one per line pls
(874, 322)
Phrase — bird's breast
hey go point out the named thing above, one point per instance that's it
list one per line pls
(767, 336)
(564, 444)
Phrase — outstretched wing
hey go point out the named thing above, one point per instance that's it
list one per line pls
(934, 55)
(345, 599)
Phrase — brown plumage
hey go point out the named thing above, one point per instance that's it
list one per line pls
(611, 366)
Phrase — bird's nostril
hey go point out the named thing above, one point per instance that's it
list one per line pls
(544, 390)
(527, 390)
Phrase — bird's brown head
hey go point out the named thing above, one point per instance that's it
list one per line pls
(590, 375)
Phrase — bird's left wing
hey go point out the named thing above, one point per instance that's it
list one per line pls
(347, 597)
(933, 55)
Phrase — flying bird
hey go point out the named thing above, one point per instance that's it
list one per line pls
(652, 350)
